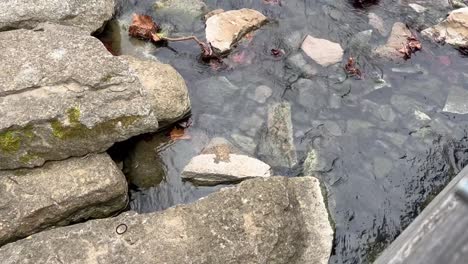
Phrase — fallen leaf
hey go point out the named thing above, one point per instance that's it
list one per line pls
(411, 46)
(277, 52)
(178, 134)
(143, 27)
(350, 68)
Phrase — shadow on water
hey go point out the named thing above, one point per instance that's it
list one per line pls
(382, 146)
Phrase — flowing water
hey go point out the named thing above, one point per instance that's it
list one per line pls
(381, 145)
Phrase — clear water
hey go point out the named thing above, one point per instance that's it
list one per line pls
(379, 161)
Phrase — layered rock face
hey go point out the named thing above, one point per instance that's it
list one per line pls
(59, 193)
(88, 15)
(62, 94)
(272, 220)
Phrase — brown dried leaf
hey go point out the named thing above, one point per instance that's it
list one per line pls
(143, 27)
(351, 69)
(178, 134)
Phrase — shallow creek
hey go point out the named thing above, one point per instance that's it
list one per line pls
(382, 146)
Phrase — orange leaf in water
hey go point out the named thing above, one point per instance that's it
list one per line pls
(178, 134)
(143, 27)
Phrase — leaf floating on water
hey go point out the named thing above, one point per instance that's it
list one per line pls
(143, 27)
(178, 134)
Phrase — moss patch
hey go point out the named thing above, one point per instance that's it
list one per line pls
(9, 142)
(74, 115)
(28, 157)
(78, 130)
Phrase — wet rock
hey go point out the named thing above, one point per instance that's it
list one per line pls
(360, 43)
(311, 95)
(297, 63)
(168, 93)
(251, 124)
(192, 7)
(220, 162)
(318, 162)
(292, 40)
(214, 91)
(417, 8)
(184, 15)
(453, 30)
(262, 93)
(377, 22)
(80, 99)
(143, 165)
(224, 29)
(88, 15)
(398, 38)
(457, 101)
(273, 220)
(277, 144)
(245, 143)
(59, 193)
(322, 51)
(382, 167)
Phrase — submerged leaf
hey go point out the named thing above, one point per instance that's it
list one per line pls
(178, 134)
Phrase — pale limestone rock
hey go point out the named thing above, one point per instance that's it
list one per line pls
(224, 29)
(322, 51)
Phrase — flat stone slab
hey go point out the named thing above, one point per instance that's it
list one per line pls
(88, 15)
(322, 51)
(220, 163)
(63, 94)
(224, 29)
(269, 220)
(59, 193)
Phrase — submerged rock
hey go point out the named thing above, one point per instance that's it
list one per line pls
(220, 162)
(168, 93)
(80, 98)
(59, 193)
(457, 101)
(144, 167)
(88, 15)
(183, 15)
(453, 30)
(277, 145)
(397, 40)
(273, 220)
(224, 29)
(322, 51)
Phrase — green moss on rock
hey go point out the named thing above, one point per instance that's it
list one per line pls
(9, 142)
(73, 115)
(78, 130)
(28, 157)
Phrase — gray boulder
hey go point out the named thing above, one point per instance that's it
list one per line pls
(168, 93)
(62, 94)
(277, 144)
(88, 15)
(59, 193)
(272, 220)
(220, 162)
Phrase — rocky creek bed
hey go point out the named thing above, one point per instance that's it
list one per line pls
(193, 145)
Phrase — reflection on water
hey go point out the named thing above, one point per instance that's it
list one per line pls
(381, 145)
